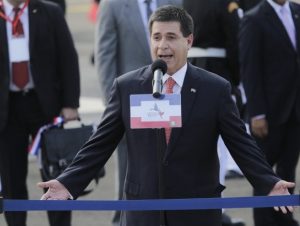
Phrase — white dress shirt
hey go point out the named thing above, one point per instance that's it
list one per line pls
(19, 54)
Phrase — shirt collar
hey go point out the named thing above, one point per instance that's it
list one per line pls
(178, 76)
(278, 7)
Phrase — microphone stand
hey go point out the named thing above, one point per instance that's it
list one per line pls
(159, 67)
(161, 177)
(160, 156)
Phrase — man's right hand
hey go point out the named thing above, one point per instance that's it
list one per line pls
(259, 127)
(56, 190)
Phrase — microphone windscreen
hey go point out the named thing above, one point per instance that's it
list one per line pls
(159, 64)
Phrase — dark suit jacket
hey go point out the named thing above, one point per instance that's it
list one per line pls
(190, 164)
(53, 61)
(270, 64)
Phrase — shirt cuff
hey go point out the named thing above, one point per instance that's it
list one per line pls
(263, 116)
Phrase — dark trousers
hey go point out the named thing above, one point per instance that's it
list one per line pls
(24, 119)
(281, 147)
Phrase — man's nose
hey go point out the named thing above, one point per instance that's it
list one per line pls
(163, 44)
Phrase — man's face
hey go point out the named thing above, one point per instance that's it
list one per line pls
(168, 44)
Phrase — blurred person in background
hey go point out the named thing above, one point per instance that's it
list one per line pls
(39, 81)
(215, 48)
(270, 69)
(93, 13)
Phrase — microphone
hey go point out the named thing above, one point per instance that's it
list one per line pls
(159, 68)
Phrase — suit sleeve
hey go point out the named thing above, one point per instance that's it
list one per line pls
(251, 64)
(106, 48)
(242, 146)
(67, 61)
(95, 153)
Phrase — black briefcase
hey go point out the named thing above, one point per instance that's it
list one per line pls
(59, 146)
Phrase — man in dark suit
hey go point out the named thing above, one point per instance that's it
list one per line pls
(207, 111)
(39, 80)
(122, 46)
(270, 66)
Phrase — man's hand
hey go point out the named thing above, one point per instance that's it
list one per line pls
(281, 188)
(56, 190)
(259, 127)
(69, 114)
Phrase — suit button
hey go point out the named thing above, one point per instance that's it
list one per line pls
(165, 163)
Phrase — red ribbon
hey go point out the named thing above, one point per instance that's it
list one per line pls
(5, 17)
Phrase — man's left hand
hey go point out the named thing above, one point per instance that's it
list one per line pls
(281, 188)
(69, 114)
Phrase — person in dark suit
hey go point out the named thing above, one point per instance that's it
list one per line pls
(37, 83)
(122, 46)
(270, 67)
(216, 29)
(189, 149)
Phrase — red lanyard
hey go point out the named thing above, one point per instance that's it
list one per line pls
(14, 23)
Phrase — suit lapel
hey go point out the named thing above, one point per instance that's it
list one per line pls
(3, 35)
(4, 44)
(146, 80)
(276, 22)
(135, 19)
(296, 15)
(33, 12)
(188, 97)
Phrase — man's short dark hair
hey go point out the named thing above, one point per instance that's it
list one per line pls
(171, 13)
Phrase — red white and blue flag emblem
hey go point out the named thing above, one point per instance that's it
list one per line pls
(149, 112)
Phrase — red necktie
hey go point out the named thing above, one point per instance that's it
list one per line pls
(169, 89)
(20, 71)
(148, 8)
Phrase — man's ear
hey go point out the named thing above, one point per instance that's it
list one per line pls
(190, 40)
